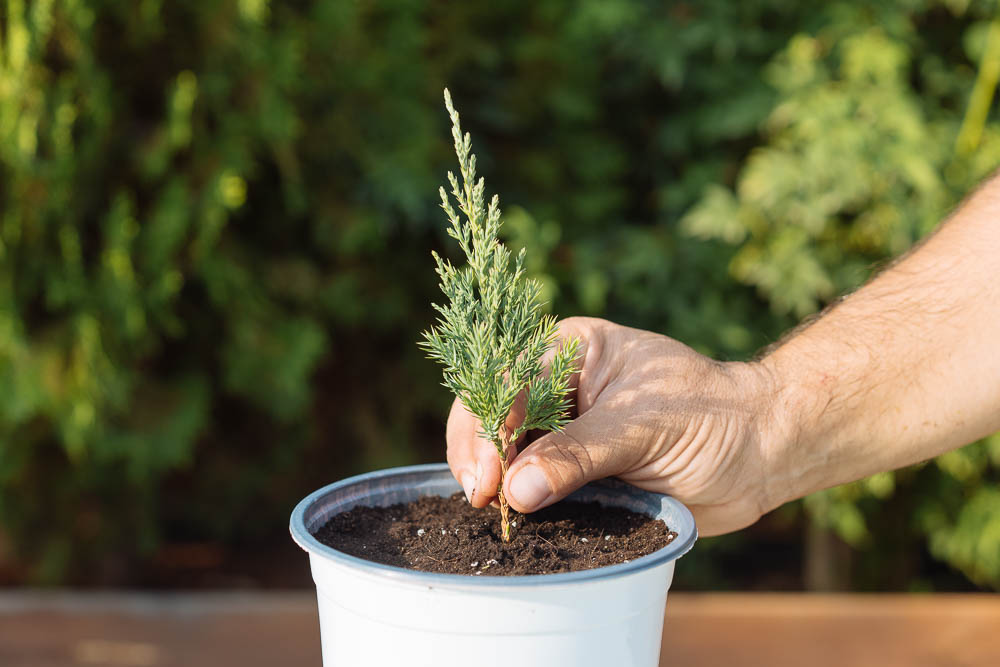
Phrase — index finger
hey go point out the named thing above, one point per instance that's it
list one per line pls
(473, 459)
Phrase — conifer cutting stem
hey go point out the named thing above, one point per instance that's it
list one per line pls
(501, 498)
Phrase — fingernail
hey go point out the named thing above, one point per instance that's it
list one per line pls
(468, 484)
(529, 488)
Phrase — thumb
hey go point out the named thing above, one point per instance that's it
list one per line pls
(559, 463)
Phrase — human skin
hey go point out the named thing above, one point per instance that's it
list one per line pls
(903, 369)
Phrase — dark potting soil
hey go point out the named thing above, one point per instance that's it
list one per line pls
(448, 535)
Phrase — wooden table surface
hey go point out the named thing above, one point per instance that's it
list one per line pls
(63, 629)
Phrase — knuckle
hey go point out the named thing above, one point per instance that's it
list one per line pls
(570, 460)
(453, 458)
(579, 325)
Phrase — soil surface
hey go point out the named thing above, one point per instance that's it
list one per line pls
(448, 535)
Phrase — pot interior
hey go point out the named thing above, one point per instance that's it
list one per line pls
(401, 485)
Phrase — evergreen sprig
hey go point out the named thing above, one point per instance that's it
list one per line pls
(491, 334)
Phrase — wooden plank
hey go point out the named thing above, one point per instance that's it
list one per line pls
(58, 629)
(831, 630)
(159, 630)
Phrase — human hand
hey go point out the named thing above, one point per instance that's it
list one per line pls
(650, 411)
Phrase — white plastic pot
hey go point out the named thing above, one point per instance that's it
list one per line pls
(373, 615)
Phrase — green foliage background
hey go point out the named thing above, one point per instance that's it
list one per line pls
(216, 218)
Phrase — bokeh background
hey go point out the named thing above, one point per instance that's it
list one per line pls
(216, 219)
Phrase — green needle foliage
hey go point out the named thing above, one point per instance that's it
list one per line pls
(491, 334)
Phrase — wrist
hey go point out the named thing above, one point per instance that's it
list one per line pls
(768, 434)
(788, 419)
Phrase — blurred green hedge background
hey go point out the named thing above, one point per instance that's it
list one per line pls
(216, 219)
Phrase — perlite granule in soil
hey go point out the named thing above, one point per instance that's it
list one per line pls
(448, 535)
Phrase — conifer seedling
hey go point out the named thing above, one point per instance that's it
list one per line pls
(491, 333)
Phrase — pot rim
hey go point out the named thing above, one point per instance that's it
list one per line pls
(687, 534)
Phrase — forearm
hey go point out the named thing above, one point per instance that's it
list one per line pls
(902, 370)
